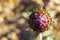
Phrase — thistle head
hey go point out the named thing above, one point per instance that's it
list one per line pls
(40, 20)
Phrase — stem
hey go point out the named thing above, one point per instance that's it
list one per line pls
(39, 37)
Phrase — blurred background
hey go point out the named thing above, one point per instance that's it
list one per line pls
(14, 19)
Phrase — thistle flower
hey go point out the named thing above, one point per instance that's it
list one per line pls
(40, 20)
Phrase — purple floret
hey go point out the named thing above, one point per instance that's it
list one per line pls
(39, 21)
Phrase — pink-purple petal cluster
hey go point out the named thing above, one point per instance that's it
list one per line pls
(39, 21)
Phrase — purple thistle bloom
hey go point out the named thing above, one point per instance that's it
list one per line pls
(39, 21)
